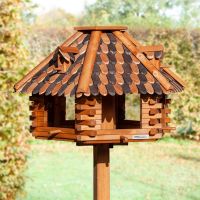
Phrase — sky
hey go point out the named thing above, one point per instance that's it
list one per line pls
(72, 6)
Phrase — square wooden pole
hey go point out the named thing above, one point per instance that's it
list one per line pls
(101, 152)
(101, 179)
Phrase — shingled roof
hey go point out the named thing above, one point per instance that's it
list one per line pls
(101, 60)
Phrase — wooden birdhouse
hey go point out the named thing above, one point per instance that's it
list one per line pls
(99, 66)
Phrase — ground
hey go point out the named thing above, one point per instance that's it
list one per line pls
(165, 170)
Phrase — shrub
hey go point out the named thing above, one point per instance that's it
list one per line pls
(13, 112)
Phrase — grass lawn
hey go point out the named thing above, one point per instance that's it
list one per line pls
(165, 170)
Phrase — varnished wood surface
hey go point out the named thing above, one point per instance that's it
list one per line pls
(89, 62)
(101, 173)
(100, 28)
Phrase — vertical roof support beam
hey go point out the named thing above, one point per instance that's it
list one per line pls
(88, 64)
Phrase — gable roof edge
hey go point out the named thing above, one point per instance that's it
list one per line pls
(20, 83)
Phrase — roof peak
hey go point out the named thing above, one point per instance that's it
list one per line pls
(101, 28)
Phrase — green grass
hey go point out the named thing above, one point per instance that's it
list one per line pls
(165, 170)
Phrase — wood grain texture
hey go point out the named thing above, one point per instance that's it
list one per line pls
(101, 172)
(99, 28)
(89, 60)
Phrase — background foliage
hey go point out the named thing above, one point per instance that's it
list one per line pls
(150, 21)
(13, 113)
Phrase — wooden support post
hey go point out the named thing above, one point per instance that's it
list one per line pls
(101, 179)
(101, 152)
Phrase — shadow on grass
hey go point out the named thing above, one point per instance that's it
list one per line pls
(189, 158)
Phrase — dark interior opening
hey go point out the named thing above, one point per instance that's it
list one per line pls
(128, 111)
(60, 111)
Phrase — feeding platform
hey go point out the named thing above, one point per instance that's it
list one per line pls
(99, 66)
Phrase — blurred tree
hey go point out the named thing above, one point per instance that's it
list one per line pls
(56, 18)
(13, 114)
(146, 13)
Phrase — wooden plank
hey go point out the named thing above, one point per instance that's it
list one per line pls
(36, 123)
(154, 121)
(87, 107)
(91, 133)
(100, 28)
(158, 105)
(87, 117)
(88, 101)
(88, 63)
(148, 126)
(88, 112)
(150, 111)
(52, 137)
(151, 48)
(84, 127)
(122, 131)
(156, 63)
(40, 113)
(67, 49)
(56, 138)
(116, 137)
(89, 122)
(145, 121)
(40, 119)
(156, 116)
(48, 129)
